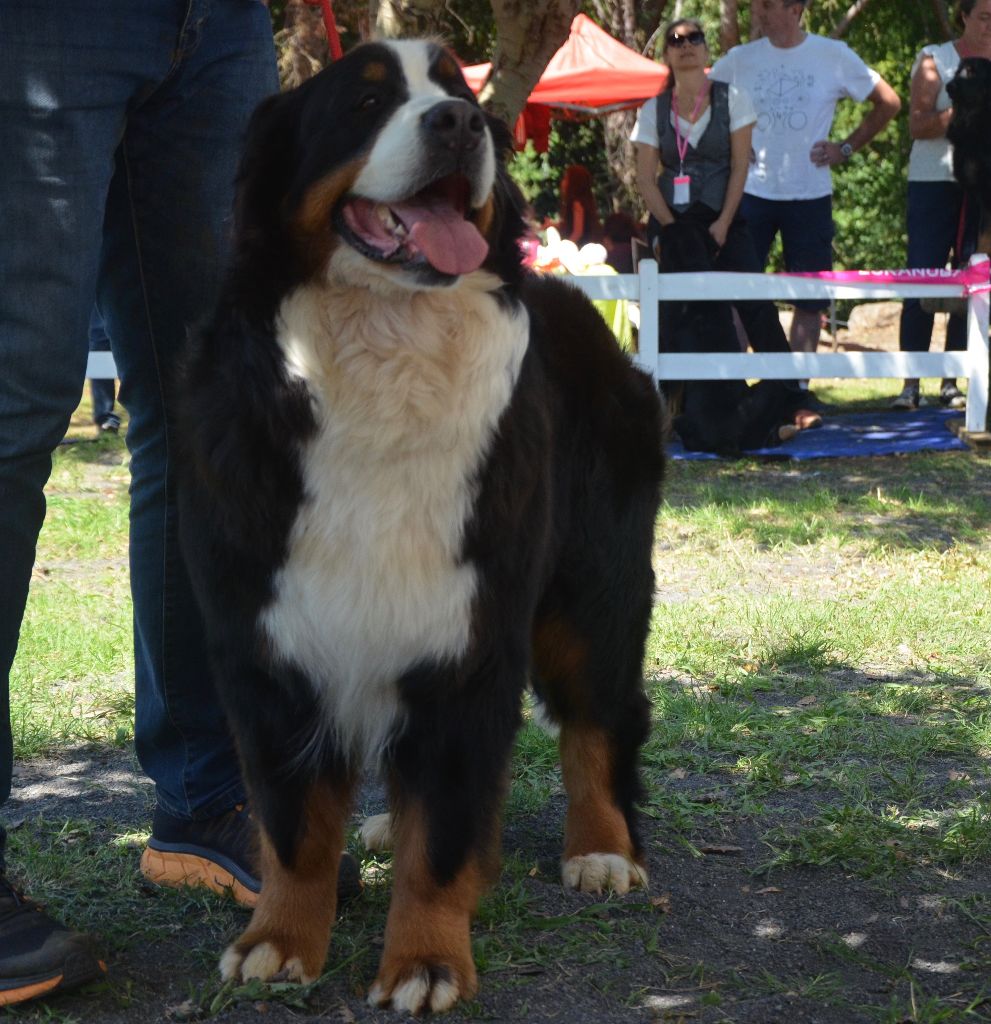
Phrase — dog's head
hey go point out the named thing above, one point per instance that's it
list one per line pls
(686, 247)
(381, 169)
(970, 91)
(970, 87)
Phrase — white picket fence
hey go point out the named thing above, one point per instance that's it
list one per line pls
(647, 288)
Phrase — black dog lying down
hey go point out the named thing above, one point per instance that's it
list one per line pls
(721, 416)
(969, 131)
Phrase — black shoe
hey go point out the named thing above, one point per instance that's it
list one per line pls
(221, 854)
(110, 424)
(37, 954)
(952, 397)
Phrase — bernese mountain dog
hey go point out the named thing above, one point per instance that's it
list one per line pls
(418, 478)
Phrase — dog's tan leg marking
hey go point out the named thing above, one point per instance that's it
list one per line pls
(427, 962)
(376, 833)
(598, 850)
(289, 931)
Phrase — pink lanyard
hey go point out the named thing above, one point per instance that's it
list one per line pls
(682, 144)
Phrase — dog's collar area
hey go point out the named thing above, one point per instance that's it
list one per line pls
(434, 226)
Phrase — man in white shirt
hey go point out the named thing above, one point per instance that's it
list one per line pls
(796, 79)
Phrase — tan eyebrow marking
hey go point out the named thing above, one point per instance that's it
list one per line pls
(446, 67)
(374, 71)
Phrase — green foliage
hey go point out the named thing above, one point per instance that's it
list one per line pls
(572, 142)
(869, 192)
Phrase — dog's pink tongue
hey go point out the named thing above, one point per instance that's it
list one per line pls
(450, 243)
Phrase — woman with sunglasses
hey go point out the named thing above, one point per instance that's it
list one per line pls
(693, 150)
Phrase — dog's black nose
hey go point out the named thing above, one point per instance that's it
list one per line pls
(455, 125)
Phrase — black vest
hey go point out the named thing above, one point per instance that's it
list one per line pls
(708, 165)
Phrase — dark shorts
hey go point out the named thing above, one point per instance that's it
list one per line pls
(806, 228)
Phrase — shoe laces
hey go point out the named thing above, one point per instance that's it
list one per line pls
(18, 902)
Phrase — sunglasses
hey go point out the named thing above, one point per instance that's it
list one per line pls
(695, 38)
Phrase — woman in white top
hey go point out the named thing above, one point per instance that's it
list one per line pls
(692, 166)
(937, 220)
(693, 150)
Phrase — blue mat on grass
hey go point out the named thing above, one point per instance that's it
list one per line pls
(865, 433)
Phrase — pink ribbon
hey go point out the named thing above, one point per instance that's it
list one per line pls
(971, 279)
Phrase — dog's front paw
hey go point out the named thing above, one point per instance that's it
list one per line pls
(266, 960)
(602, 872)
(418, 987)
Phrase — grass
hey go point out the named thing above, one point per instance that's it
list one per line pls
(820, 670)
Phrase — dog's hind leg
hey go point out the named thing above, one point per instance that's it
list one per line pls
(377, 833)
(588, 649)
(601, 734)
(289, 932)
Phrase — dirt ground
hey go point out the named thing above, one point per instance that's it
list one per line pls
(710, 941)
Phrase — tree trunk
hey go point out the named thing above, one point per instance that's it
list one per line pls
(622, 162)
(848, 19)
(301, 44)
(395, 19)
(729, 24)
(529, 32)
(943, 17)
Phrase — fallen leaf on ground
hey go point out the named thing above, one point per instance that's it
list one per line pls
(662, 902)
(721, 848)
(806, 701)
(768, 889)
(678, 773)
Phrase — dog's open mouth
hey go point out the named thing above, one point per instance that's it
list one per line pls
(435, 226)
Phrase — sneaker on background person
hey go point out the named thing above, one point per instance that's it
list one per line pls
(951, 396)
(38, 955)
(907, 399)
(220, 854)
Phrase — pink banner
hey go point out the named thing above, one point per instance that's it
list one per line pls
(970, 279)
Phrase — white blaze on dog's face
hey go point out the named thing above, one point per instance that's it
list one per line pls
(420, 201)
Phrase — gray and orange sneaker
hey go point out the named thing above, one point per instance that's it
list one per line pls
(221, 854)
(39, 956)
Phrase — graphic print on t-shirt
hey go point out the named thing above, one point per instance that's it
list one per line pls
(782, 98)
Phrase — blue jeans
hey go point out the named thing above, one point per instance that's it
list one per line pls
(101, 389)
(120, 128)
(933, 226)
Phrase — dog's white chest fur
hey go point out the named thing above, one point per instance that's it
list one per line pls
(407, 392)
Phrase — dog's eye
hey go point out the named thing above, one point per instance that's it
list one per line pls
(369, 102)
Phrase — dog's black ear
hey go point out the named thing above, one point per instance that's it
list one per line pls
(502, 137)
(266, 168)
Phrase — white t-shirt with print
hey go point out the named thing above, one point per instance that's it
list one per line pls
(795, 91)
(741, 113)
(932, 159)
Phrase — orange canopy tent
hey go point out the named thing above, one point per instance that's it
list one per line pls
(591, 74)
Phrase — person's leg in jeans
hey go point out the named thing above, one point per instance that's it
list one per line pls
(164, 245)
(102, 389)
(72, 78)
(60, 125)
(933, 221)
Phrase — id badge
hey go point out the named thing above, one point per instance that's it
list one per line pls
(682, 189)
